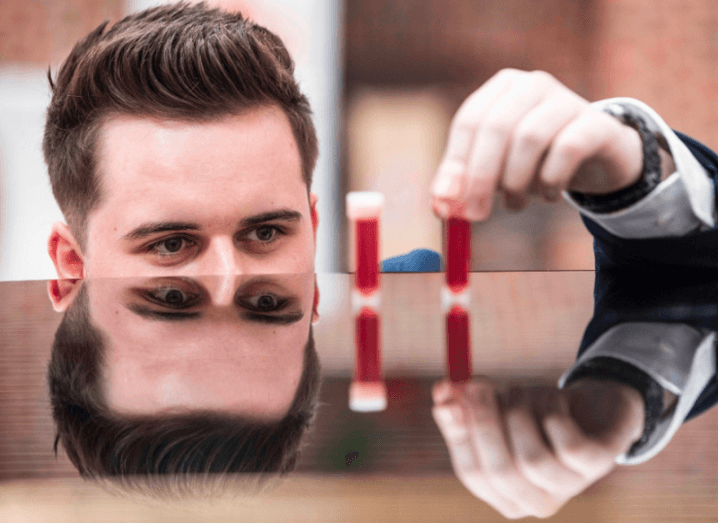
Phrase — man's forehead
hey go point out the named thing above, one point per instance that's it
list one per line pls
(257, 141)
(260, 119)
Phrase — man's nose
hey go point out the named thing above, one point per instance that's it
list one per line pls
(222, 258)
(222, 288)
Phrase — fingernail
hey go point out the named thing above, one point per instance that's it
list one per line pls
(442, 392)
(441, 207)
(442, 187)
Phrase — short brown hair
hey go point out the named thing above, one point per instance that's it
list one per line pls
(172, 456)
(181, 62)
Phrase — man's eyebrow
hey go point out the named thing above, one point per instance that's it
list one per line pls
(279, 319)
(282, 214)
(150, 314)
(148, 229)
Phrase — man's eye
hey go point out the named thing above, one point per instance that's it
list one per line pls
(265, 234)
(170, 246)
(264, 303)
(172, 297)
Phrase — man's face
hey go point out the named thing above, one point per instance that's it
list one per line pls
(188, 199)
(217, 212)
(232, 344)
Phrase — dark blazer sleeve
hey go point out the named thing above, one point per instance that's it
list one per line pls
(695, 250)
(670, 279)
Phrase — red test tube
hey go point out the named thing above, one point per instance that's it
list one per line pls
(368, 391)
(367, 255)
(456, 300)
(458, 254)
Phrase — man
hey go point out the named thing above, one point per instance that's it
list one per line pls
(646, 193)
(158, 188)
(181, 150)
(170, 161)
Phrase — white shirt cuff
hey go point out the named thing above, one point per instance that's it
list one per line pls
(677, 206)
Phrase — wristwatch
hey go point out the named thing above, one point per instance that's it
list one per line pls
(650, 175)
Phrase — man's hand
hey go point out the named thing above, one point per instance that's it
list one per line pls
(525, 132)
(529, 453)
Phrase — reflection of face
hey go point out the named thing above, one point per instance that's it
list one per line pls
(223, 197)
(232, 344)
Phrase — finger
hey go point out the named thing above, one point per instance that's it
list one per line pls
(585, 137)
(534, 458)
(445, 391)
(494, 132)
(494, 454)
(487, 428)
(572, 447)
(450, 179)
(533, 136)
(451, 420)
(441, 392)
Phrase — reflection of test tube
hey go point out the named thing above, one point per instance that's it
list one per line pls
(367, 392)
(456, 299)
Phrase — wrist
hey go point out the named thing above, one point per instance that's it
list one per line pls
(636, 182)
(609, 409)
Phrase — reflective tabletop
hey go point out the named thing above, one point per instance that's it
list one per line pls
(393, 465)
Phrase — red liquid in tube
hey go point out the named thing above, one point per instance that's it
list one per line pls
(367, 254)
(458, 253)
(458, 346)
(368, 359)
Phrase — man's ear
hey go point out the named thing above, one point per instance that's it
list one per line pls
(315, 314)
(62, 293)
(313, 198)
(65, 253)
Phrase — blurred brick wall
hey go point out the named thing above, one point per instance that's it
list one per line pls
(665, 54)
(401, 42)
(396, 47)
(43, 31)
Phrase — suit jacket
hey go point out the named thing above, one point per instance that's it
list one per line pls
(654, 322)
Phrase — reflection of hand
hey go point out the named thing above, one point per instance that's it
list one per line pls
(523, 132)
(528, 454)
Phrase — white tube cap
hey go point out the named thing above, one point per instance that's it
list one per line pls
(365, 396)
(363, 205)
